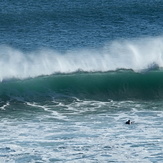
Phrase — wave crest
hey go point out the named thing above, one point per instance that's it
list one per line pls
(135, 54)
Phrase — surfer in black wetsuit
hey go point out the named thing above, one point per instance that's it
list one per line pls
(129, 122)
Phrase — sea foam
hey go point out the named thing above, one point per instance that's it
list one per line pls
(133, 54)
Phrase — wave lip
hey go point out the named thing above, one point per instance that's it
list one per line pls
(135, 54)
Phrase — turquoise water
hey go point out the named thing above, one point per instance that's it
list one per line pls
(72, 73)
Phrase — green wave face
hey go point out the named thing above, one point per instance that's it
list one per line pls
(115, 85)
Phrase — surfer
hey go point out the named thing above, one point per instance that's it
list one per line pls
(129, 122)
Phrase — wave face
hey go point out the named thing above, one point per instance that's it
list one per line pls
(126, 69)
(128, 54)
(115, 85)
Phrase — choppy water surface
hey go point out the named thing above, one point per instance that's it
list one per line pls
(82, 131)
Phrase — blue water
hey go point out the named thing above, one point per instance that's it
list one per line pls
(73, 72)
(74, 24)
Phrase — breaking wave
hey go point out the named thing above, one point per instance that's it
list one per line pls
(115, 85)
(135, 54)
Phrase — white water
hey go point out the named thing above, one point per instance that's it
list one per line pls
(93, 131)
(129, 54)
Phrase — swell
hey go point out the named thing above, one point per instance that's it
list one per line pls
(115, 85)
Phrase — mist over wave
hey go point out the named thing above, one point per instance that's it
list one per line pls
(134, 54)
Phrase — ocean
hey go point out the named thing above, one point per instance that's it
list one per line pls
(72, 72)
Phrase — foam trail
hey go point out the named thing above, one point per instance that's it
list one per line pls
(129, 54)
(54, 113)
(4, 106)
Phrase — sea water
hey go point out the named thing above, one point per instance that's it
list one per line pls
(73, 72)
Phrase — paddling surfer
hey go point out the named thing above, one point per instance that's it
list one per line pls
(129, 122)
